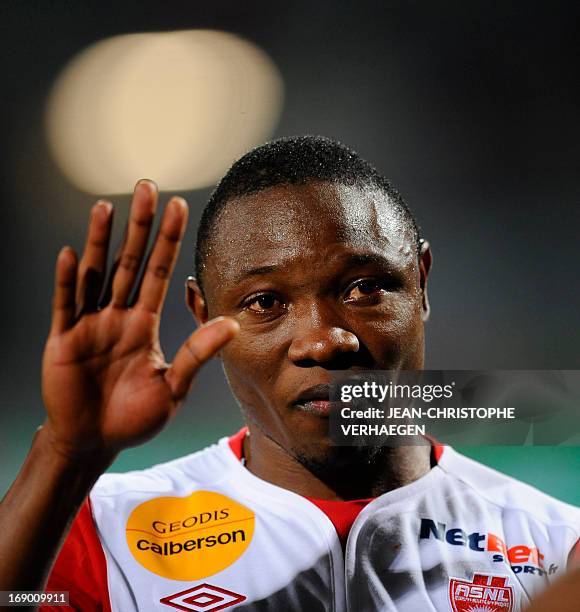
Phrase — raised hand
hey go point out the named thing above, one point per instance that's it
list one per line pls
(105, 382)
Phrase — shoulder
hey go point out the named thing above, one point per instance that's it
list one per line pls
(507, 493)
(207, 466)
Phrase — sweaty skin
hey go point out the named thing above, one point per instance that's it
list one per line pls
(320, 277)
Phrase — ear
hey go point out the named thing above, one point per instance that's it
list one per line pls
(195, 300)
(425, 263)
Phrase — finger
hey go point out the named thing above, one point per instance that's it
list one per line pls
(64, 303)
(141, 218)
(163, 256)
(203, 344)
(107, 293)
(91, 269)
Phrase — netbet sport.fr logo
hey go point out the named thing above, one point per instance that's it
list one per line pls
(522, 559)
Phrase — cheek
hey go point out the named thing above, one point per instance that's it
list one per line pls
(250, 363)
(396, 338)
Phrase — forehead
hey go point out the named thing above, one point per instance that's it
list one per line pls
(296, 223)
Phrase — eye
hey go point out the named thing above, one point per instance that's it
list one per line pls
(366, 288)
(265, 303)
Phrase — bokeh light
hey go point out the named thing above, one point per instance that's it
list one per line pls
(177, 107)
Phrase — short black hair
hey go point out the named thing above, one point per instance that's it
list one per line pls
(296, 160)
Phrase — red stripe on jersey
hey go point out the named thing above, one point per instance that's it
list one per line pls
(437, 450)
(236, 442)
(342, 513)
(81, 568)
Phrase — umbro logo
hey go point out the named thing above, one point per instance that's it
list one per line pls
(203, 598)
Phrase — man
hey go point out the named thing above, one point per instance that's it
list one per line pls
(307, 262)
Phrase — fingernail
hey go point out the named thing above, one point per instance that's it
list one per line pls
(181, 201)
(103, 207)
(66, 252)
(147, 183)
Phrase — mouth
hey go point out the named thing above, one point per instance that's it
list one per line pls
(315, 400)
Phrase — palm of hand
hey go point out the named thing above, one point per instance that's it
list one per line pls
(106, 384)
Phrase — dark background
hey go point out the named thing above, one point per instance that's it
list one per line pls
(470, 108)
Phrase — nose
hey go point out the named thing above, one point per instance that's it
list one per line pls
(322, 345)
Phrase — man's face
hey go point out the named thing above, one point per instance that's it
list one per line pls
(320, 277)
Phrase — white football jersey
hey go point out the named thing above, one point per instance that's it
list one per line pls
(202, 533)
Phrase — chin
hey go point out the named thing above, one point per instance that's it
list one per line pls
(326, 460)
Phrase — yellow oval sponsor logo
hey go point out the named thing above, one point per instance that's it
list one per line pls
(188, 538)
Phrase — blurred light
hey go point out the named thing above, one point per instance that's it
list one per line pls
(177, 107)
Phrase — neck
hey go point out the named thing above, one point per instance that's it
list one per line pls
(345, 473)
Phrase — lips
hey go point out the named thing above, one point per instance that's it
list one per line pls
(315, 400)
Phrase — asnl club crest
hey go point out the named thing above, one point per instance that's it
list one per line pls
(483, 594)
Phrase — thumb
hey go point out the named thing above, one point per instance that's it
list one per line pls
(203, 344)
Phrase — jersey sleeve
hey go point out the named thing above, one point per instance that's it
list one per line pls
(81, 568)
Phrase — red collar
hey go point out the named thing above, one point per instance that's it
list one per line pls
(236, 443)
